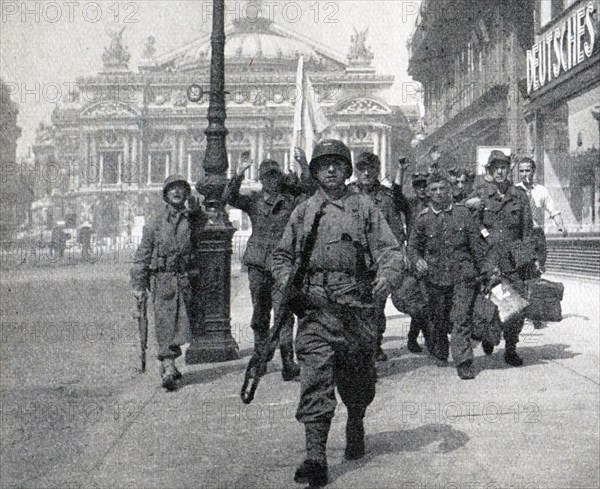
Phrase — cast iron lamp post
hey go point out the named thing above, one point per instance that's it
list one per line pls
(212, 340)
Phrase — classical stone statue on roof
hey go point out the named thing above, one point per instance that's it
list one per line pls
(116, 55)
(359, 53)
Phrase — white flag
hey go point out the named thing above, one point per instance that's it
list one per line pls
(309, 119)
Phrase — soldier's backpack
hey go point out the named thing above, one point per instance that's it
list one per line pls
(544, 299)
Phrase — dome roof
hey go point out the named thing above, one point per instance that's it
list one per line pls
(262, 42)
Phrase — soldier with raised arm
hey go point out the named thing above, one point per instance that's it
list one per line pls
(269, 210)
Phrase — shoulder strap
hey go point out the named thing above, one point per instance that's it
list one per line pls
(309, 244)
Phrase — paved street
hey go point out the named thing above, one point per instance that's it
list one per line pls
(75, 413)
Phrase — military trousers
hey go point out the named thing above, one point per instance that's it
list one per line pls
(450, 308)
(261, 291)
(336, 347)
(380, 321)
(540, 244)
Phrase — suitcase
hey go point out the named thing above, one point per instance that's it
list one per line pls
(510, 303)
(544, 297)
(410, 298)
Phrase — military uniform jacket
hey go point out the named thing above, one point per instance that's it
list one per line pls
(450, 242)
(506, 220)
(349, 224)
(168, 252)
(169, 244)
(268, 214)
(384, 200)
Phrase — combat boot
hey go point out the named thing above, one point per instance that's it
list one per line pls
(381, 356)
(355, 434)
(512, 358)
(465, 370)
(313, 471)
(291, 370)
(413, 346)
(488, 348)
(169, 374)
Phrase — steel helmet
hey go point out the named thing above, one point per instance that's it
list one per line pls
(172, 179)
(331, 147)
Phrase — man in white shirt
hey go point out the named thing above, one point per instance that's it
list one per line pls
(540, 202)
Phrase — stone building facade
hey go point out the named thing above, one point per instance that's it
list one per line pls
(122, 131)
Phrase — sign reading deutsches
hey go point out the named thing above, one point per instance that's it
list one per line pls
(564, 44)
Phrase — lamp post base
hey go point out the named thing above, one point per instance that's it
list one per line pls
(212, 340)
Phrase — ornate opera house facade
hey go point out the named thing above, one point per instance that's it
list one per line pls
(122, 131)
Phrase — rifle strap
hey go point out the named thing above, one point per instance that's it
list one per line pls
(309, 244)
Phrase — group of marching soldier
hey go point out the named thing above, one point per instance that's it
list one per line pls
(356, 244)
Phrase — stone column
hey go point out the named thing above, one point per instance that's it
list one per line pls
(383, 155)
(181, 168)
(254, 157)
(85, 159)
(95, 162)
(124, 169)
(135, 174)
(261, 146)
(101, 170)
(189, 167)
(119, 168)
(345, 135)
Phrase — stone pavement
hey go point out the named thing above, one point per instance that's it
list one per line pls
(531, 427)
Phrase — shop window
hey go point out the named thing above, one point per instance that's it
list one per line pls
(571, 167)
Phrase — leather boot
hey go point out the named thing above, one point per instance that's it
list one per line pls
(488, 348)
(291, 370)
(465, 370)
(169, 374)
(313, 470)
(512, 358)
(355, 433)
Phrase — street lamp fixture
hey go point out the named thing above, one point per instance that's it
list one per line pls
(212, 340)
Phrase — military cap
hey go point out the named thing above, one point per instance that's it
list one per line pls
(497, 156)
(368, 159)
(268, 166)
(331, 147)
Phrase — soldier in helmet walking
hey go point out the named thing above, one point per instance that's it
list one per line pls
(367, 169)
(354, 261)
(166, 263)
